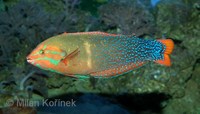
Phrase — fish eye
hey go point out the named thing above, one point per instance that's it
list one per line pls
(41, 51)
(63, 54)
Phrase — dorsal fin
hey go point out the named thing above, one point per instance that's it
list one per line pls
(95, 32)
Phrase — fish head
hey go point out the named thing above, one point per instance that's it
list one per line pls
(46, 56)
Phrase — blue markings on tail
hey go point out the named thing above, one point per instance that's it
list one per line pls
(158, 51)
(115, 51)
(149, 50)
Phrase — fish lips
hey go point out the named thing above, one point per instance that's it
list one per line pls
(30, 59)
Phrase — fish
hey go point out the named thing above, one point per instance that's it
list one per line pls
(98, 54)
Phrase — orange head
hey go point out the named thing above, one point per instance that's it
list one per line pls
(46, 56)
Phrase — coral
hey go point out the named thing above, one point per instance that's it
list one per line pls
(59, 5)
(22, 82)
(170, 21)
(18, 25)
(130, 17)
(20, 85)
(8, 46)
(36, 84)
(182, 25)
(28, 21)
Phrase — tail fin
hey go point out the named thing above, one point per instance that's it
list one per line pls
(169, 48)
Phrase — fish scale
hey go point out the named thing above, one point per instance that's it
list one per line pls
(98, 54)
(124, 50)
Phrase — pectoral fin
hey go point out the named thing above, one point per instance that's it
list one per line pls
(71, 56)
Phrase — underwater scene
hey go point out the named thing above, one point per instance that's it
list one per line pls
(99, 57)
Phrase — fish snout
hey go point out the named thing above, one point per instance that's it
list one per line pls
(29, 59)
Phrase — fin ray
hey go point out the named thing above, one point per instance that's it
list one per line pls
(95, 32)
(165, 61)
(168, 50)
(169, 45)
(71, 55)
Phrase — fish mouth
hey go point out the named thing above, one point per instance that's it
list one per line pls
(29, 60)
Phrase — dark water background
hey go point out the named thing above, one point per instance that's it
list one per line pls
(151, 89)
